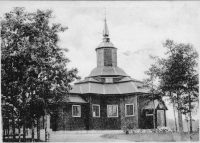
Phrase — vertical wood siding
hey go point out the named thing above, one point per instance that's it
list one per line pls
(65, 121)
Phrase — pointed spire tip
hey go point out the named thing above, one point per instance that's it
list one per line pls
(105, 31)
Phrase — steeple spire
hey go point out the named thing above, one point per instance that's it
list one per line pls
(105, 31)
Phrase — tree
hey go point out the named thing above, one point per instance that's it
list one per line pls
(191, 97)
(154, 86)
(176, 74)
(150, 84)
(173, 101)
(33, 67)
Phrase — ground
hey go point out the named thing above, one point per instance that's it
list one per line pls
(81, 136)
(156, 137)
(115, 136)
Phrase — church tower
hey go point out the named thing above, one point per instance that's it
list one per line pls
(106, 52)
(107, 58)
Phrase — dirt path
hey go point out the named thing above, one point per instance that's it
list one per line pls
(81, 138)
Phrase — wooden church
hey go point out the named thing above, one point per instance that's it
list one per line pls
(108, 99)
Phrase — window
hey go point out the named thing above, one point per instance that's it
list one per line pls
(109, 80)
(149, 112)
(102, 79)
(116, 79)
(112, 110)
(76, 110)
(129, 109)
(96, 110)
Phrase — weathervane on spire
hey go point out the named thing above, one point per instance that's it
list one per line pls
(105, 31)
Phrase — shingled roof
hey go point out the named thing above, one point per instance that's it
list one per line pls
(107, 71)
(124, 86)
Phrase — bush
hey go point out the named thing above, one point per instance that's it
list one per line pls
(163, 129)
(130, 129)
(125, 129)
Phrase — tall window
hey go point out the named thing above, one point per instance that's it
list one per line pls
(112, 110)
(96, 110)
(129, 109)
(76, 110)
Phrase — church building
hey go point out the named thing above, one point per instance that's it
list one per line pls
(108, 99)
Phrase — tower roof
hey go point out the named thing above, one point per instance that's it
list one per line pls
(107, 71)
(106, 45)
(106, 40)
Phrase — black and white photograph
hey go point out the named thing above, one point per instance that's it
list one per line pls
(99, 71)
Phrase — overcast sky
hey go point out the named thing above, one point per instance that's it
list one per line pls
(136, 28)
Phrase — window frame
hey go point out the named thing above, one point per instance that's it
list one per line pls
(73, 112)
(117, 111)
(93, 108)
(126, 110)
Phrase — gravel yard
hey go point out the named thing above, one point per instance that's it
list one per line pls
(116, 136)
(153, 137)
(82, 136)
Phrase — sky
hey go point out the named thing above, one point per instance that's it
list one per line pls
(138, 29)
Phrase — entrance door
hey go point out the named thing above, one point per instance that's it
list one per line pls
(160, 118)
(149, 119)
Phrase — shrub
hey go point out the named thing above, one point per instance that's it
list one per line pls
(125, 129)
(163, 129)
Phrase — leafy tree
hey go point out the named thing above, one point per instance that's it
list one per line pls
(150, 84)
(153, 85)
(190, 100)
(154, 72)
(33, 67)
(177, 75)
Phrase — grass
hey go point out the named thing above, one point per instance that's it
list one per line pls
(194, 136)
(153, 137)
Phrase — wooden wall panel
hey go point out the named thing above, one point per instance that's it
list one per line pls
(131, 121)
